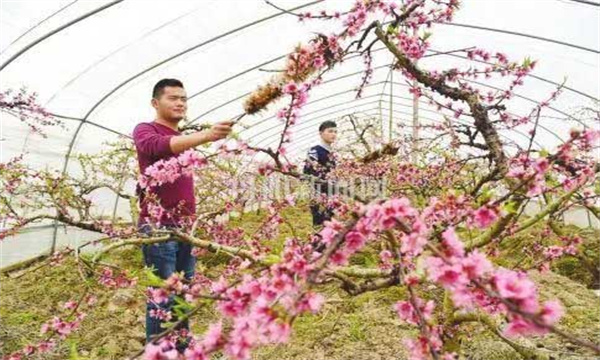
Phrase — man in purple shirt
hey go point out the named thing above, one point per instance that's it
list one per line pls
(158, 140)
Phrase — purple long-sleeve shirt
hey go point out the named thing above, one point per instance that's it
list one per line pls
(152, 142)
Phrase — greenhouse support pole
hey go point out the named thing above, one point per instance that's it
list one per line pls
(380, 121)
(415, 122)
(391, 105)
(54, 235)
(415, 129)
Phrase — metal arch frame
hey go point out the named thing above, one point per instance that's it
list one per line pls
(353, 101)
(399, 84)
(300, 141)
(96, 63)
(463, 122)
(481, 84)
(263, 120)
(308, 123)
(325, 97)
(329, 96)
(529, 75)
(56, 31)
(275, 128)
(436, 52)
(586, 2)
(248, 93)
(38, 24)
(269, 140)
(382, 66)
(303, 138)
(91, 123)
(516, 33)
(324, 82)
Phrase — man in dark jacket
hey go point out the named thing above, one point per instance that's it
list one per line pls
(319, 163)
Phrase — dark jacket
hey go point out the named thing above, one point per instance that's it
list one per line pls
(319, 163)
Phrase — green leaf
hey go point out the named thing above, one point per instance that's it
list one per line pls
(392, 30)
(551, 181)
(272, 259)
(485, 196)
(181, 306)
(510, 207)
(370, 261)
(151, 279)
(73, 353)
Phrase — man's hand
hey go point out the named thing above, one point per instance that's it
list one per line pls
(216, 132)
(219, 131)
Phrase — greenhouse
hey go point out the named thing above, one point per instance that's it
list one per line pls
(282, 179)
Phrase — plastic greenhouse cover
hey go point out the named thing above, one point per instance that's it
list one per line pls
(98, 72)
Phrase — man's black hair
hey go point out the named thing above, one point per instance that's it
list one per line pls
(326, 125)
(160, 86)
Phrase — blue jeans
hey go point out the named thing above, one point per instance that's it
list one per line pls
(166, 258)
